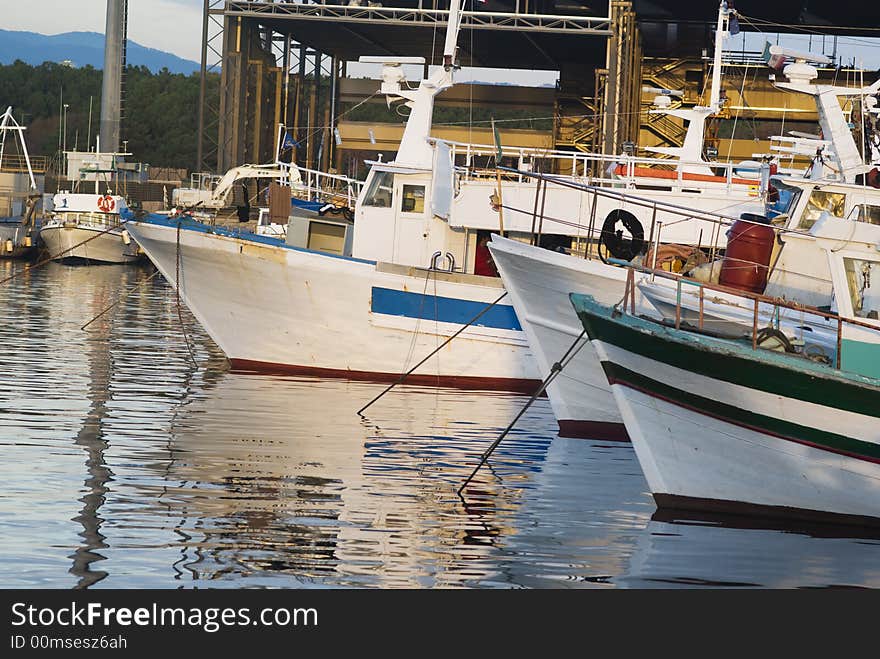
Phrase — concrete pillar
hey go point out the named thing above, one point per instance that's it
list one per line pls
(111, 92)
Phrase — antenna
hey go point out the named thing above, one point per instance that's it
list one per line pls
(452, 28)
(726, 25)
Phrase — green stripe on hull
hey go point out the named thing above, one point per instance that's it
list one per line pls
(740, 417)
(761, 370)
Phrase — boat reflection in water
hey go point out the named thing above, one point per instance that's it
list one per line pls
(277, 481)
(681, 549)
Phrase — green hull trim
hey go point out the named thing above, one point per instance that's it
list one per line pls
(729, 361)
(744, 418)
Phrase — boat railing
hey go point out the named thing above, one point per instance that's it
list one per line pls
(755, 300)
(18, 163)
(86, 218)
(664, 214)
(322, 186)
(606, 170)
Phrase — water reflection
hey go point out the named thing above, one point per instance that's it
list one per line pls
(126, 466)
(679, 550)
(91, 438)
(280, 478)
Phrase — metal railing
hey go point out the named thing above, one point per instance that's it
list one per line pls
(321, 186)
(18, 163)
(594, 169)
(756, 300)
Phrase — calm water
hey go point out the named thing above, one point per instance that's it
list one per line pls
(127, 466)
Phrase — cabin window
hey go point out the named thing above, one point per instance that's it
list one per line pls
(869, 214)
(380, 191)
(786, 201)
(865, 299)
(413, 199)
(820, 202)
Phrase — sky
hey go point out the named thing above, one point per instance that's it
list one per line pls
(175, 26)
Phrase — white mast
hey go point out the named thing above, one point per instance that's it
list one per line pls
(415, 151)
(722, 31)
(8, 123)
(691, 151)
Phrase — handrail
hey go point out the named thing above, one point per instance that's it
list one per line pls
(636, 200)
(757, 298)
(598, 167)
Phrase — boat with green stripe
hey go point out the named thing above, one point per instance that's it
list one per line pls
(720, 425)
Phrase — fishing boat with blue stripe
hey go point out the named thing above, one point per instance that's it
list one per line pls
(370, 299)
(726, 425)
(366, 300)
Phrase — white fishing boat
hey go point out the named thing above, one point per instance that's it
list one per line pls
(20, 191)
(89, 228)
(725, 425)
(538, 280)
(413, 271)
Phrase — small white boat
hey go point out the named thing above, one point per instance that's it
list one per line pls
(89, 227)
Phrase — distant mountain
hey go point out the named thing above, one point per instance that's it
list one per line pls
(82, 48)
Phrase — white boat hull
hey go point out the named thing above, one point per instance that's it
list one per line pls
(716, 430)
(69, 242)
(538, 282)
(272, 307)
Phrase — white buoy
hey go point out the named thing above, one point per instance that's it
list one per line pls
(126, 238)
(9, 246)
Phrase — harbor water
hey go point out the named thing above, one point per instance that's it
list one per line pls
(131, 461)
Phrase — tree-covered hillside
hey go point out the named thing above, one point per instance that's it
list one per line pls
(160, 110)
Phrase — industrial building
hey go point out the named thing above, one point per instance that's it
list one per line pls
(285, 63)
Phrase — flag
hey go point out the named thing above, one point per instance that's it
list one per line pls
(773, 61)
(733, 26)
(288, 142)
(497, 137)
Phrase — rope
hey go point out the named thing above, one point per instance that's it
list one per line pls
(442, 345)
(177, 292)
(412, 343)
(121, 298)
(555, 370)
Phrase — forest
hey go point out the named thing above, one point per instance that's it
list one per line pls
(160, 110)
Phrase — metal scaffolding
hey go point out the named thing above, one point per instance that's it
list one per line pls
(255, 74)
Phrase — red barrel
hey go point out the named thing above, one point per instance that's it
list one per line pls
(747, 257)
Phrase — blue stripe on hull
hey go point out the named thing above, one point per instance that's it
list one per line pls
(443, 309)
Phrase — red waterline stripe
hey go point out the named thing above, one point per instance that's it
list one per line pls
(516, 385)
(603, 430)
(731, 507)
(740, 424)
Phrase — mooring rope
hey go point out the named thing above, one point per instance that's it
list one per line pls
(177, 291)
(555, 370)
(121, 298)
(433, 352)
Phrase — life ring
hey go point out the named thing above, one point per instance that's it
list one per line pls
(106, 204)
(612, 238)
